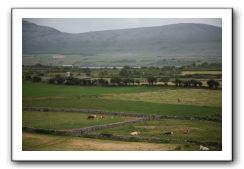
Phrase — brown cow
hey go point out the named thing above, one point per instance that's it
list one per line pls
(91, 117)
(169, 133)
(186, 131)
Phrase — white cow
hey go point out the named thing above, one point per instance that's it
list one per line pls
(204, 148)
(135, 133)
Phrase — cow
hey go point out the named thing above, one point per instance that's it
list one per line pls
(169, 133)
(91, 117)
(135, 133)
(106, 135)
(204, 148)
(102, 117)
(186, 131)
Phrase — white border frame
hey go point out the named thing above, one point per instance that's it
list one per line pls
(19, 155)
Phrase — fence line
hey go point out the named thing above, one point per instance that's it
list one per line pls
(79, 131)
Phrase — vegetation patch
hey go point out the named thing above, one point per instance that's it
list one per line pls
(66, 120)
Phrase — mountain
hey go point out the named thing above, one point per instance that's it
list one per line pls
(183, 40)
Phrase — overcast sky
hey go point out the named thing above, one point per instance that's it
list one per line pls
(77, 25)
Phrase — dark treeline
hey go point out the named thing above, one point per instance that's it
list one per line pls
(117, 81)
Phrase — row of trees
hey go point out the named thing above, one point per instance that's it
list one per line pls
(117, 81)
(188, 83)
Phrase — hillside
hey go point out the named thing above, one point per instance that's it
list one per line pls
(178, 41)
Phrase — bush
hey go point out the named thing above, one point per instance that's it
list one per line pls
(213, 84)
(36, 79)
(151, 80)
(27, 77)
(59, 79)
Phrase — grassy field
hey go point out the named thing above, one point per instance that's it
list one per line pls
(146, 100)
(198, 130)
(66, 120)
(205, 72)
(199, 97)
(42, 142)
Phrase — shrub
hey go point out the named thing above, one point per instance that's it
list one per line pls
(36, 79)
(213, 84)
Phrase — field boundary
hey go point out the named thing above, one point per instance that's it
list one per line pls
(79, 131)
(93, 111)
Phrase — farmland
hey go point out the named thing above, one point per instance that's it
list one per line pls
(156, 88)
(65, 120)
(110, 99)
(198, 130)
(43, 142)
(160, 107)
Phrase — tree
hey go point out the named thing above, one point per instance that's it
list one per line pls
(100, 82)
(27, 77)
(131, 81)
(151, 80)
(115, 80)
(72, 81)
(213, 84)
(199, 83)
(59, 79)
(193, 83)
(36, 79)
(165, 80)
(178, 82)
(51, 81)
(138, 82)
(125, 81)
(124, 72)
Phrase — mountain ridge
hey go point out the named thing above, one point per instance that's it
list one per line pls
(182, 40)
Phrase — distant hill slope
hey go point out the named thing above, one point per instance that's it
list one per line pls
(177, 40)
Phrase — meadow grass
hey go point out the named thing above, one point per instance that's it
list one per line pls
(207, 72)
(43, 89)
(200, 97)
(66, 120)
(198, 130)
(44, 142)
(126, 106)
(156, 100)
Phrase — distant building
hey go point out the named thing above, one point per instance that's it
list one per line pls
(68, 66)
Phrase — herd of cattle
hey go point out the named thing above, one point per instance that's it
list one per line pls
(136, 133)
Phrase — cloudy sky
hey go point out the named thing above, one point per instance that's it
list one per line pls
(77, 25)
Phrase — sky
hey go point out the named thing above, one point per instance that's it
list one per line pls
(80, 25)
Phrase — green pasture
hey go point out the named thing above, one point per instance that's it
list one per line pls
(204, 72)
(198, 102)
(198, 130)
(66, 120)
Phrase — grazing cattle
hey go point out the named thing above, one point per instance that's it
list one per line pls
(186, 131)
(102, 117)
(204, 148)
(135, 133)
(106, 135)
(91, 117)
(169, 133)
